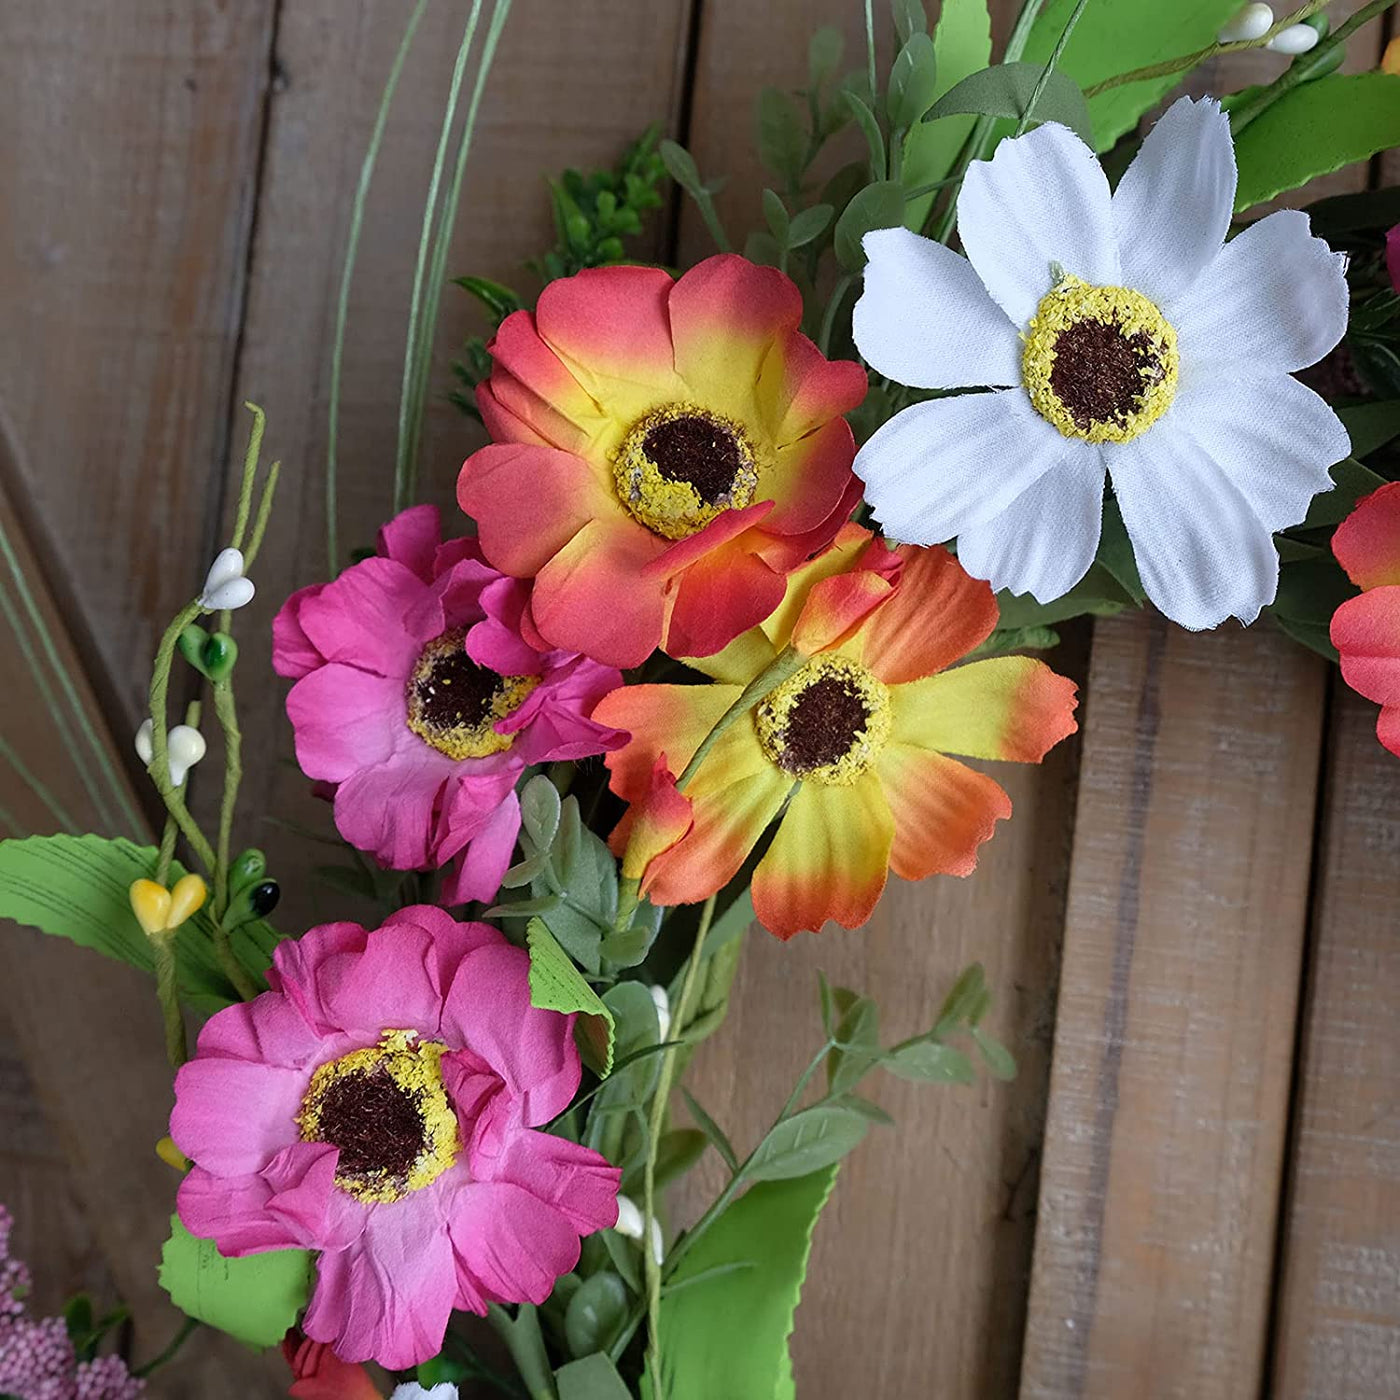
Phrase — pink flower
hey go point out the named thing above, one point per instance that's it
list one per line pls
(1392, 257)
(377, 1105)
(421, 695)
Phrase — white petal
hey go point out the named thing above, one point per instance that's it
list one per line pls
(941, 467)
(925, 319)
(1042, 198)
(1274, 438)
(1172, 207)
(1045, 540)
(1273, 301)
(1202, 552)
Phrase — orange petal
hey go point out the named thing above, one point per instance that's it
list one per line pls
(1366, 633)
(829, 859)
(943, 811)
(653, 824)
(938, 614)
(809, 478)
(801, 389)
(662, 719)
(1007, 707)
(836, 606)
(1367, 542)
(719, 598)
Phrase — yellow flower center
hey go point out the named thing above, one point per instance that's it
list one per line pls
(827, 723)
(386, 1108)
(455, 705)
(681, 465)
(1100, 363)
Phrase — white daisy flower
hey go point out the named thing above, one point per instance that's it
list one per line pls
(1133, 342)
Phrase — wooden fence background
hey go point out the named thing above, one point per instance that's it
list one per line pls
(1192, 1189)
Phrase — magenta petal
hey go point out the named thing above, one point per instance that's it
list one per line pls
(233, 1116)
(391, 984)
(297, 963)
(454, 600)
(293, 654)
(388, 808)
(411, 538)
(511, 1247)
(388, 1297)
(360, 618)
(451, 940)
(305, 1196)
(483, 1105)
(231, 1211)
(486, 857)
(496, 641)
(488, 1010)
(269, 1029)
(345, 720)
(577, 1181)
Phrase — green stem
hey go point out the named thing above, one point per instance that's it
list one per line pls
(167, 851)
(833, 305)
(1303, 67)
(255, 540)
(1186, 61)
(658, 1121)
(410, 397)
(168, 992)
(870, 47)
(250, 472)
(181, 1337)
(1050, 67)
(342, 308)
(226, 709)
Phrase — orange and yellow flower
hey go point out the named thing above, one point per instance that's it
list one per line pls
(665, 453)
(850, 753)
(1366, 630)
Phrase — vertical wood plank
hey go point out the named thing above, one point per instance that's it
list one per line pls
(1338, 1330)
(1174, 1034)
(920, 1270)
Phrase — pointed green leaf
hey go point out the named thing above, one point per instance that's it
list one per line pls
(814, 1138)
(876, 206)
(711, 1129)
(1006, 89)
(1352, 482)
(556, 984)
(929, 1062)
(913, 82)
(592, 1378)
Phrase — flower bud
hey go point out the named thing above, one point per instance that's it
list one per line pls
(184, 748)
(1296, 39)
(1250, 23)
(629, 1218)
(143, 741)
(225, 587)
(663, 1010)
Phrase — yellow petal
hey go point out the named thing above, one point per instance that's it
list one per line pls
(186, 899)
(150, 903)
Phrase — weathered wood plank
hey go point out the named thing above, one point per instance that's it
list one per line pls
(920, 1272)
(1174, 1034)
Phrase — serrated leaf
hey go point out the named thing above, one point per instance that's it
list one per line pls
(77, 887)
(782, 141)
(808, 224)
(1314, 129)
(814, 1138)
(556, 984)
(711, 1129)
(913, 82)
(1005, 90)
(591, 1378)
(256, 1298)
(876, 206)
(768, 1230)
(929, 1062)
(1352, 482)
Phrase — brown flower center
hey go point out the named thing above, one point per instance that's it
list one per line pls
(700, 451)
(374, 1122)
(826, 724)
(1102, 374)
(454, 704)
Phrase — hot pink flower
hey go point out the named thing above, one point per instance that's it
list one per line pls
(421, 700)
(377, 1105)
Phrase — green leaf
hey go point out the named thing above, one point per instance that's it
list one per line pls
(782, 141)
(498, 299)
(823, 55)
(1311, 591)
(962, 45)
(998, 1059)
(1116, 552)
(680, 166)
(677, 1152)
(1098, 592)
(858, 1029)
(540, 808)
(929, 1062)
(809, 224)
(964, 999)
(1005, 90)
(256, 1298)
(909, 18)
(77, 887)
(1117, 36)
(596, 1314)
(1369, 211)
(815, 1137)
(1371, 425)
(526, 1343)
(1316, 636)
(867, 1109)
(877, 206)
(711, 1129)
(556, 984)
(591, 1378)
(1353, 481)
(1314, 129)
(913, 82)
(728, 1335)
(870, 128)
(775, 212)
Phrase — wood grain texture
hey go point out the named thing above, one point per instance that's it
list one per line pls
(1174, 1034)
(1338, 1330)
(919, 1276)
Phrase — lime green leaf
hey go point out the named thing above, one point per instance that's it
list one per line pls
(1353, 481)
(255, 1298)
(962, 45)
(1006, 90)
(1316, 128)
(770, 1228)
(77, 887)
(592, 1378)
(1117, 36)
(556, 984)
(814, 1138)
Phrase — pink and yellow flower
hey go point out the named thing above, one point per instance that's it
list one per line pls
(665, 453)
(421, 696)
(850, 754)
(379, 1104)
(1366, 630)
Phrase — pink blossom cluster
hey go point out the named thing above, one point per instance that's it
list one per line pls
(37, 1361)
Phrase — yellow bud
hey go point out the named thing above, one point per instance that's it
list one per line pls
(150, 903)
(1390, 59)
(186, 899)
(171, 1155)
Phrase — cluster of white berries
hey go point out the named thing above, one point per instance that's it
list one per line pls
(1255, 21)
